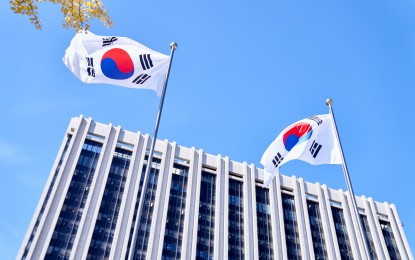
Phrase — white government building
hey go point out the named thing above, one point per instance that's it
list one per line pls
(196, 206)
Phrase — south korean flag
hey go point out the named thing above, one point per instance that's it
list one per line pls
(116, 60)
(311, 140)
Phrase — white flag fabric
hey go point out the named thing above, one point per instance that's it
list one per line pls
(311, 140)
(116, 60)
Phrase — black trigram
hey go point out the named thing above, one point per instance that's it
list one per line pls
(90, 69)
(108, 41)
(316, 119)
(277, 160)
(146, 61)
(315, 148)
(141, 79)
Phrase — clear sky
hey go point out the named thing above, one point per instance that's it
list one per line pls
(243, 71)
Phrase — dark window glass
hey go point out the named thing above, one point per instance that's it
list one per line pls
(206, 221)
(341, 232)
(143, 231)
(291, 227)
(110, 205)
(368, 237)
(45, 201)
(317, 233)
(390, 240)
(65, 230)
(236, 220)
(263, 213)
(173, 235)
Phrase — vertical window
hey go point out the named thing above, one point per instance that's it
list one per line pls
(236, 220)
(206, 221)
(291, 227)
(45, 201)
(173, 236)
(110, 205)
(67, 225)
(341, 232)
(263, 213)
(390, 240)
(143, 232)
(316, 227)
(368, 237)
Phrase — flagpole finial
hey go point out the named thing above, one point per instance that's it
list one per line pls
(173, 45)
(329, 101)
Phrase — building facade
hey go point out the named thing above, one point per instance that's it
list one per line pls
(195, 206)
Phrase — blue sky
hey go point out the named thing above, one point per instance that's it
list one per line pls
(243, 72)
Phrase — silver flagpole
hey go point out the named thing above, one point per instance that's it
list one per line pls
(329, 102)
(173, 47)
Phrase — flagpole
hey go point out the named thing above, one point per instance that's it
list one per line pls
(173, 47)
(329, 103)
